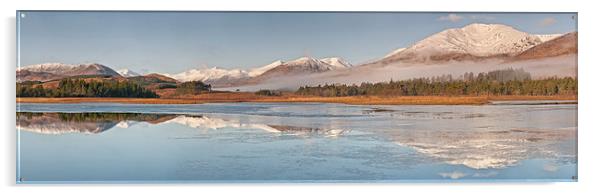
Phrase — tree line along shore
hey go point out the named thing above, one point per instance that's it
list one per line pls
(470, 88)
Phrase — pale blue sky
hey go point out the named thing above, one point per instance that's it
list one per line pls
(172, 42)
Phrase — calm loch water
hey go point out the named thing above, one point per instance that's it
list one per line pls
(313, 142)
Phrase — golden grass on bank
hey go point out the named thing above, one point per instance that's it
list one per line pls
(226, 97)
(524, 97)
(110, 100)
(374, 100)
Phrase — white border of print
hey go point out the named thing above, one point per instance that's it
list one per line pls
(589, 96)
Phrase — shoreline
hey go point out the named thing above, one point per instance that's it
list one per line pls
(352, 100)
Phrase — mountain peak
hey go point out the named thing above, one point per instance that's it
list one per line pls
(304, 59)
(321, 64)
(336, 62)
(483, 26)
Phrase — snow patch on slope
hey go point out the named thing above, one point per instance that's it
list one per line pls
(545, 38)
(48, 67)
(395, 52)
(336, 62)
(128, 73)
(261, 70)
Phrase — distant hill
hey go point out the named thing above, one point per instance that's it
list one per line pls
(53, 71)
(154, 81)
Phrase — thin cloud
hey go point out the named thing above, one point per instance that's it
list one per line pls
(547, 22)
(481, 17)
(451, 18)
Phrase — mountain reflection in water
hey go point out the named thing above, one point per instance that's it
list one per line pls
(93, 123)
(489, 149)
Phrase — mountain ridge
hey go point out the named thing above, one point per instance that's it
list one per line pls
(471, 42)
(563, 45)
(53, 71)
(231, 77)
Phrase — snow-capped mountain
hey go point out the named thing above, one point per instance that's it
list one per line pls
(71, 69)
(315, 65)
(128, 73)
(300, 67)
(470, 42)
(50, 71)
(220, 76)
(310, 64)
(209, 74)
(215, 73)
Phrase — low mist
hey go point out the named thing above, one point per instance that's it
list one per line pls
(562, 66)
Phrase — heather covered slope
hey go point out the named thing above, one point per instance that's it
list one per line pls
(564, 45)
